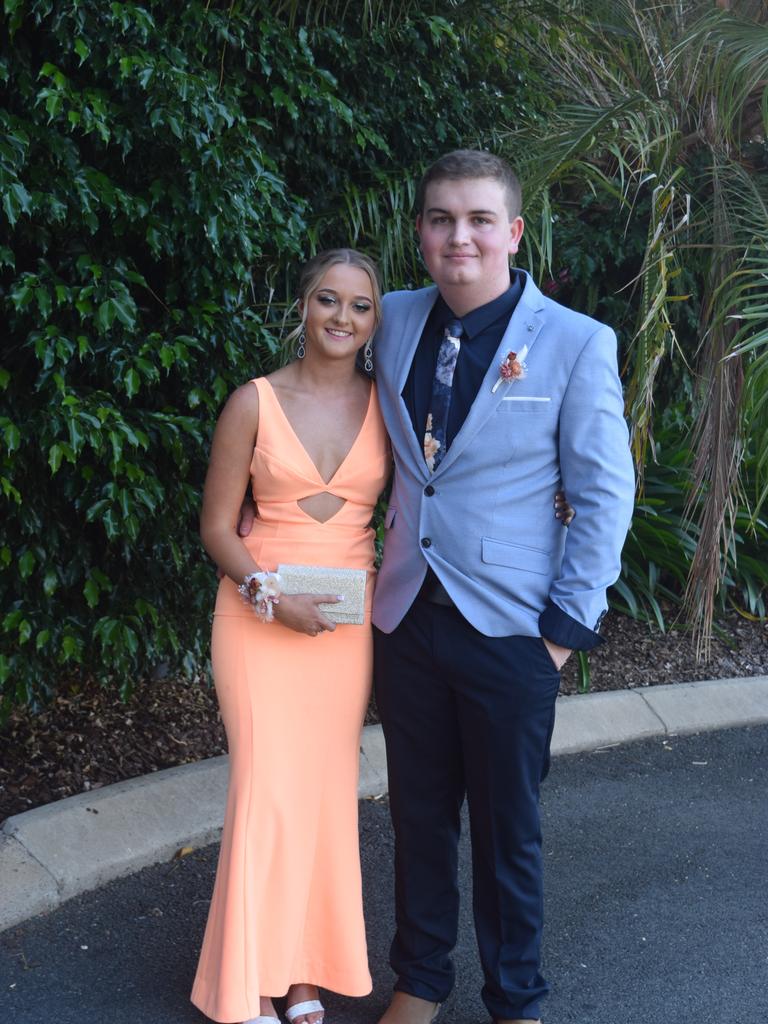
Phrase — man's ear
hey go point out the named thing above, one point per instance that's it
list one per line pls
(418, 224)
(516, 228)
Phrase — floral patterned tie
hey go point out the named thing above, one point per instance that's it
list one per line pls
(437, 420)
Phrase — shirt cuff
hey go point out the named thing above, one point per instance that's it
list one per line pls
(559, 627)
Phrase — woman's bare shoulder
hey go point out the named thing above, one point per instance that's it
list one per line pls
(242, 405)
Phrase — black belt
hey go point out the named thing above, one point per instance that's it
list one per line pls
(432, 590)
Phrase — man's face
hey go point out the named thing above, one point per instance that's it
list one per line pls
(467, 237)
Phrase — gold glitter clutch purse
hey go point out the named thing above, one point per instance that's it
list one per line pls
(317, 579)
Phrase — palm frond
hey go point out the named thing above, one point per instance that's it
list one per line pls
(655, 336)
(387, 13)
(670, 94)
(741, 69)
(378, 218)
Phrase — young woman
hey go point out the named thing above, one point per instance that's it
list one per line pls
(286, 914)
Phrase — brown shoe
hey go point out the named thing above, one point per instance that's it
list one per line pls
(408, 1009)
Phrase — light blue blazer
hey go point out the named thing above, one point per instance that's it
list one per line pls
(489, 531)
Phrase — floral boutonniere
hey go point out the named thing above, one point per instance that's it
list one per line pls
(512, 368)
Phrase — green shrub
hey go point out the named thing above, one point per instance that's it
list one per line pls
(163, 170)
(662, 540)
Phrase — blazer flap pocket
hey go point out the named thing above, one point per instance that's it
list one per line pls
(389, 517)
(516, 556)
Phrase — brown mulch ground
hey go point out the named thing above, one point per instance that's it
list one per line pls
(89, 739)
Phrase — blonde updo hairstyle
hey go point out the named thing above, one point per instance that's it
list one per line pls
(314, 271)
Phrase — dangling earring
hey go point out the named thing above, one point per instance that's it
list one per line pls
(368, 353)
(301, 349)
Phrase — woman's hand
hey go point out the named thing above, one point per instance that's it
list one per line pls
(248, 514)
(563, 511)
(244, 524)
(301, 612)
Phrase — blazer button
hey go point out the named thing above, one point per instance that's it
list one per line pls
(426, 542)
(429, 490)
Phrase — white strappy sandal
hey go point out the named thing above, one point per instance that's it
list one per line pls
(303, 1009)
(262, 1020)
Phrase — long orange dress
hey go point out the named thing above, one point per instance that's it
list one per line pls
(287, 902)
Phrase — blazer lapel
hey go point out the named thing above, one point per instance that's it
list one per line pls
(412, 329)
(523, 329)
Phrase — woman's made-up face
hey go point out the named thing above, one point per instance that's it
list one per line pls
(340, 314)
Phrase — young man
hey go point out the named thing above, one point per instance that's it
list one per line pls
(494, 396)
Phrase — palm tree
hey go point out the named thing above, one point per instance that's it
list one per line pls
(667, 102)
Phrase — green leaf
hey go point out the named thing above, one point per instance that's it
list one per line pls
(10, 209)
(55, 453)
(91, 592)
(106, 315)
(26, 564)
(125, 310)
(105, 631)
(11, 620)
(281, 99)
(111, 524)
(50, 582)
(130, 639)
(9, 490)
(76, 435)
(97, 509)
(131, 382)
(43, 302)
(12, 436)
(70, 647)
(22, 197)
(82, 49)
(53, 103)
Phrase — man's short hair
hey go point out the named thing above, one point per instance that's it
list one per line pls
(473, 163)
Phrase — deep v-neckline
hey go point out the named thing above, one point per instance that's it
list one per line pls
(310, 460)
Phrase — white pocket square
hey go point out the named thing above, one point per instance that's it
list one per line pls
(525, 398)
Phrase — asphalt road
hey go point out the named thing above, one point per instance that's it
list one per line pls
(657, 906)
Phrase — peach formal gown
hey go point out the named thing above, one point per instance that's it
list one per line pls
(287, 902)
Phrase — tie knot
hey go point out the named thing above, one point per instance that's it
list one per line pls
(453, 329)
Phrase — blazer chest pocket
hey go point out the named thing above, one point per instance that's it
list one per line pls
(516, 556)
(525, 405)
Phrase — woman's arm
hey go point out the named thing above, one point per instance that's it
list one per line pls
(226, 481)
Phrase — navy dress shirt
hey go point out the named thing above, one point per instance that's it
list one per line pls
(483, 330)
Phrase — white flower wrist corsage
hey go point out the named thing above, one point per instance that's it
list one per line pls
(261, 590)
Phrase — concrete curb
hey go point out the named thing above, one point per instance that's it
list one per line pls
(53, 853)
